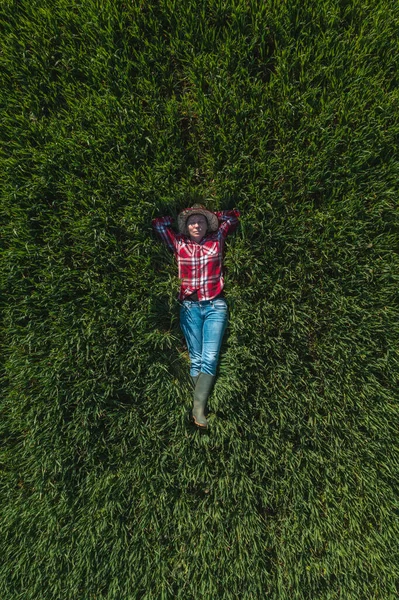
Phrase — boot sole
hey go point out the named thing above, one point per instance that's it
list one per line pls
(200, 425)
(191, 419)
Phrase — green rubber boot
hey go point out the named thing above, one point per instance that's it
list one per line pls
(194, 380)
(201, 394)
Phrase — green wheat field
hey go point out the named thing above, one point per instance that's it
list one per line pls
(114, 112)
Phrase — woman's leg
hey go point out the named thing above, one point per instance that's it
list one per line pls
(191, 322)
(215, 322)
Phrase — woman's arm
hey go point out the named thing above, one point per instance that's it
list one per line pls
(163, 228)
(228, 220)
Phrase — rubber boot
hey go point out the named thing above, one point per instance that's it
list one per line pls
(194, 380)
(201, 394)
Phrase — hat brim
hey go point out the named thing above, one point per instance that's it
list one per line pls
(212, 220)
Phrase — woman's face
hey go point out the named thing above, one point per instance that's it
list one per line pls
(197, 227)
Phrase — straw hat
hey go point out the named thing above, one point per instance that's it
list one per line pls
(197, 209)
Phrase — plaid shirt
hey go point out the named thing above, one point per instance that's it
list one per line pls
(200, 263)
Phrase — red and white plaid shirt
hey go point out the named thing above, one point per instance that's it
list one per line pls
(200, 263)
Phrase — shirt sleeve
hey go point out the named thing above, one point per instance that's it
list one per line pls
(163, 228)
(228, 221)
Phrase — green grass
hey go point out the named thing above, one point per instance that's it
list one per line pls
(116, 112)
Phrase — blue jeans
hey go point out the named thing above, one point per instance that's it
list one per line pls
(203, 324)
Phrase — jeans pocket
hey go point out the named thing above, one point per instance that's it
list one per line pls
(185, 308)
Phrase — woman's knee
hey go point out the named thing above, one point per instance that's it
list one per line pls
(196, 361)
(209, 362)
